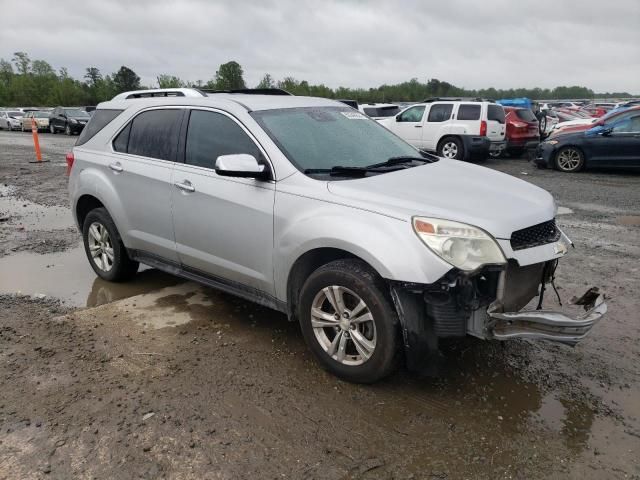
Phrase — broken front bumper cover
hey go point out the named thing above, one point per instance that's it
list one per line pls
(549, 325)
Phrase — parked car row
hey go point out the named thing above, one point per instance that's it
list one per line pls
(70, 120)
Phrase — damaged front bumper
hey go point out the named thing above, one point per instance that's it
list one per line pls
(547, 324)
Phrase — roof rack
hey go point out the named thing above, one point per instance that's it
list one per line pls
(160, 92)
(250, 91)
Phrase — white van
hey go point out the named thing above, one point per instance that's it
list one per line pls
(460, 129)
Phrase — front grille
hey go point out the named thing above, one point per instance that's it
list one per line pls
(541, 234)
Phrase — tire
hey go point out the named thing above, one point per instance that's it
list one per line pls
(450, 147)
(99, 234)
(542, 125)
(362, 352)
(67, 129)
(569, 159)
(52, 129)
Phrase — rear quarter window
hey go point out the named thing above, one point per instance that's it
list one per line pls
(152, 134)
(99, 120)
(495, 113)
(469, 112)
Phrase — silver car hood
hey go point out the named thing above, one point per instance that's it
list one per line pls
(453, 190)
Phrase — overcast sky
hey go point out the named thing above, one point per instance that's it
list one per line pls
(472, 44)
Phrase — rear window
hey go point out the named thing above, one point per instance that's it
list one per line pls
(382, 111)
(152, 134)
(99, 120)
(469, 112)
(495, 113)
(526, 115)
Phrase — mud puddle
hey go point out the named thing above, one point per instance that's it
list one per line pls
(68, 277)
(31, 216)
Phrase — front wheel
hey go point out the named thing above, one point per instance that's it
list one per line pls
(104, 248)
(569, 159)
(348, 321)
(450, 148)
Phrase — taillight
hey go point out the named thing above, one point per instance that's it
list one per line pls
(69, 158)
(483, 128)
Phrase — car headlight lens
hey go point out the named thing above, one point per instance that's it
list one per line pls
(552, 142)
(463, 246)
(73, 120)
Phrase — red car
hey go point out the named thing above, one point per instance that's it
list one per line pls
(607, 118)
(522, 130)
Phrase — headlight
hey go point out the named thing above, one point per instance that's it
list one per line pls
(552, 142)
(463, 246)
(73, 120)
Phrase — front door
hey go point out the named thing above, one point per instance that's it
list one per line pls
(223, 225)
(408, 125)
(436, 124)
(620, 147)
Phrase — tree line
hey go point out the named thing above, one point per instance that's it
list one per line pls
(26, 82)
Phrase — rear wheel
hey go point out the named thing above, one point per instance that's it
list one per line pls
(450, 147)
(569, 159)
(348, 321)
(104, 248)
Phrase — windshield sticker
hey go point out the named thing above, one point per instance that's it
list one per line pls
(354, 115)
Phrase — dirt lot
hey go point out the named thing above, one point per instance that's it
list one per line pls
(165, 379)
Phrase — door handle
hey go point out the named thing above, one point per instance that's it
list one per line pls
(186, 186)
(116, 167)
(417, 126)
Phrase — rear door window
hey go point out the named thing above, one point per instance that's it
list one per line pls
(100, 119)
(440, 112)
(495, 113)
(152, 134)
(211, 134)
(468, 112)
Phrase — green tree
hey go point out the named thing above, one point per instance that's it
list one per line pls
(170, 81)
(126, 79)
(229, 76)
(22, 62)
(266, 82)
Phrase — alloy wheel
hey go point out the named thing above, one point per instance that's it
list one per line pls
(100, 247)
(450, 150)
(569, 160)
(343, 325)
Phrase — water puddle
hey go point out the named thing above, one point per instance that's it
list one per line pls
(31, 216)
(68, 276)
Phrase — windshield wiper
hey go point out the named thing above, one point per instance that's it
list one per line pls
(341, 170)
(403, 159)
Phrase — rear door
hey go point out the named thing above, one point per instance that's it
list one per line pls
(141, 170)
(223, 225)
(436, 124)
(408, 125)
(496, 123)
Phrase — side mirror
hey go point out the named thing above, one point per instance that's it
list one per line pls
(241, 165)
(606, 132)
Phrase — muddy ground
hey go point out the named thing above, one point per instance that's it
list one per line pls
(165, 379)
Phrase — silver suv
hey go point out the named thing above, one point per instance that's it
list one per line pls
(309, 207)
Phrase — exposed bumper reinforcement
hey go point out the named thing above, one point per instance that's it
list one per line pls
(549, 325)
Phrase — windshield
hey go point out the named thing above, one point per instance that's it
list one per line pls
(15, 114)
(75, 112)
(325, 137)
(41, 114)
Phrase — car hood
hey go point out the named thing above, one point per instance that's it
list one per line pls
(453, 190)
(80, 119)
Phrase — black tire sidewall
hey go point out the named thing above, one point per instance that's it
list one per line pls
(361, 280)
(123, 267)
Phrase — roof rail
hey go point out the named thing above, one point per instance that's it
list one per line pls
(457, 99)
(160, 92)
(251, 91)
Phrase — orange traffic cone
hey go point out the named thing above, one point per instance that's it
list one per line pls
(36, 141)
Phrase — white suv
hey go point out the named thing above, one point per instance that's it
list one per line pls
(460, 129)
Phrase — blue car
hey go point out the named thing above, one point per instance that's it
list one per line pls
(614, 144)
